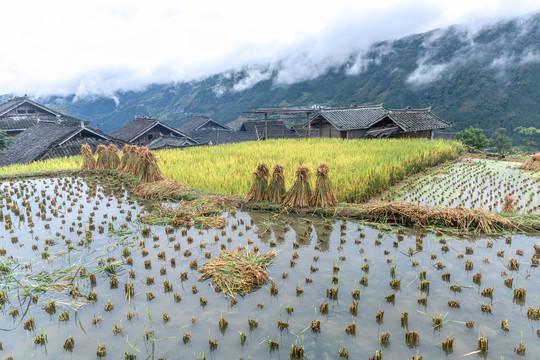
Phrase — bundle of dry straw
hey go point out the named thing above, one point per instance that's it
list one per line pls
(324, 195)
(300, 193)
(102, 160)
(533, 163)
(276, 189)
(260, 183)
(128, 157)
(161, 190)
(89, 163)
(113, 160)
(145, 165)
(237, 272)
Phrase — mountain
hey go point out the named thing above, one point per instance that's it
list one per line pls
(487, 77)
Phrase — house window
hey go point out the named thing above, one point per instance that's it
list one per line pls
(21, 111)
(150, 136)
(31, 111)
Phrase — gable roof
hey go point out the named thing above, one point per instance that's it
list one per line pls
(34, 143)
(417, 120)
(140, 125)
(361, 117)
(217, 137)
(199, 121)
(237, 123)
(276, 129)
(169, 142)
(18, 101)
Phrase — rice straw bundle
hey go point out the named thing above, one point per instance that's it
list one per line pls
(237, 272)
(323, 195)
(103, 154)
(260, 184)
(533, 163)
(300, 193)
(113, 160)
(276, 189)
(160, 190)
(89, 163)
(145, 167)
(508, 205)
(126, 154)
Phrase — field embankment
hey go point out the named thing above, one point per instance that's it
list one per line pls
(359, 169)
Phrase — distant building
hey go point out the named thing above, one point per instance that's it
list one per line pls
(201, 122)
(143, 130)
(374, 121)
(21, 113)
(52, 138)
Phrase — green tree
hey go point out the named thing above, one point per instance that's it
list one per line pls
(473, 137)
(4, 141)
(529, 134)
(500, 142)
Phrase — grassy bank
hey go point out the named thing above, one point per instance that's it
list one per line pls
(359, 168)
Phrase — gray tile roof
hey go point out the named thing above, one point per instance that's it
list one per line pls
(198, 122)
(361, 117)
(17, 101)
(276, 129)
(218, 137)
(140, 125)
(169, 142)
(39, 140)
(73, 146)
(237, 123)
(416, 120)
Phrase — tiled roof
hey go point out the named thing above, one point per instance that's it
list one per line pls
(73, 146)
(361, 117)
(237, 123)
(141, 125)
(276, 129)
(34, 143)
(17, 101)
(218, 137)
(198, 122)
(169, 142)
(417, 120)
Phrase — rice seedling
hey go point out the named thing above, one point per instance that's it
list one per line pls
(273, 345)
(343, 353)
(69, 344)
(404, 319)
(448, 344)
(469, 324)
(351, 329)
(243, 338)
(520, 293)
(504, 325)
(297, 351)
(412, 338)
(384, 339)
(377, 356)
(253, 324)
(482, 344)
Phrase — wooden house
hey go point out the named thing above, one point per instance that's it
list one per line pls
(143, 130)
(374, 121)
(201, 122)
(21, 113)
(52, 138)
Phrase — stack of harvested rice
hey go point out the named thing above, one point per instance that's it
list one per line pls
(89, 163)
(276, 189)
(113, 160)
(533, 163)
(324, 195)
(260, 183)
(103, 155)
(300, 193)
(145, 167)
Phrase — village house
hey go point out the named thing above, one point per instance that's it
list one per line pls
(374, 121)
(52, 138)
(144, 130)
(21, 113)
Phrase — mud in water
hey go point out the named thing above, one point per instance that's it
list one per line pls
(78, 264)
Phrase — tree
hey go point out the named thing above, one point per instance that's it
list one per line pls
(528, 137)
(473, 137)
(4, 141)
(500, 142)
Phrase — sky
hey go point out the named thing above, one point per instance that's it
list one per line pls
(99, 47)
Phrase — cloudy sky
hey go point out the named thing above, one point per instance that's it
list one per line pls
(97, 47)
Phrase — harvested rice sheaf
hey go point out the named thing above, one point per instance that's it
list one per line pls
(260, 184)
(237, 272)
(276, 189)
(145, 166)
(113, 160)
(324, 194)
(160, 190)
(89, 163)
(533, 163)
(300, 193)
(102, 160)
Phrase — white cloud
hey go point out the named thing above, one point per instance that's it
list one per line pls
(97, 47)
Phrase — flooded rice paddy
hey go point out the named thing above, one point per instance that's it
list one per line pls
(80, 275)
(474, 183)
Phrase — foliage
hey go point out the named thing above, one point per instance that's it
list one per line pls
(500, 142)
(529, 134)
(473, 137)
(4, 141)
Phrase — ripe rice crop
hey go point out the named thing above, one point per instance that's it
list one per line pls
(360, 168)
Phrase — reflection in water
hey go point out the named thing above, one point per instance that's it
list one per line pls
(76, 243)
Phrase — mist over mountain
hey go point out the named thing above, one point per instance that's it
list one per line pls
(487, 77)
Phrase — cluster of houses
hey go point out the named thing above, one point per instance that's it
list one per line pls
(39, 132)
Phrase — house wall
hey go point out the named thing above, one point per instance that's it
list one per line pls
(356, 134)
(417, 134)
(26, 109)
(328, 131)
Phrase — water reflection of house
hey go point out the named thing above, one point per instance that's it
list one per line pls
(374, 121)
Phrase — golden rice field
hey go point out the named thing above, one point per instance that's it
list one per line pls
(358, 168)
